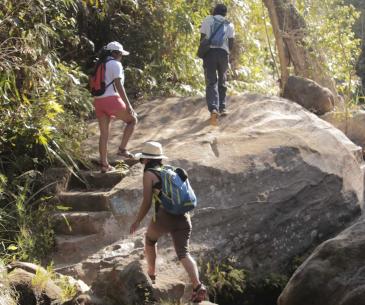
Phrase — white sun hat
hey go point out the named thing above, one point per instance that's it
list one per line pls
(151, 150)
(116, 46)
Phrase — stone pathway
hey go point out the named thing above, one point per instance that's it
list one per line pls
(88, 223)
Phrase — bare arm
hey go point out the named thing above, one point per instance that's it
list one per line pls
(230, 44)
(120, 88)
(146, 202)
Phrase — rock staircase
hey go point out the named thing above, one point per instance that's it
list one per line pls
(86, 222)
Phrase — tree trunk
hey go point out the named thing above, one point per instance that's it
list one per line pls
(292, 30)
(283, 54)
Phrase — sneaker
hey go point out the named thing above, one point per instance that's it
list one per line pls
(223, 112)
(214, 118)
(199, 294)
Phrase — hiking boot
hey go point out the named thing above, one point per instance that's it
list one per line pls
(214, 118)
(223, 112)
(199, 294)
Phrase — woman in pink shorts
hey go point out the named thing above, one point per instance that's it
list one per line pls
(114, 103)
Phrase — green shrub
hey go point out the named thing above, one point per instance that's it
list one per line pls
(228, 284)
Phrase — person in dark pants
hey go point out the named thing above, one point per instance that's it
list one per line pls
(221, 33)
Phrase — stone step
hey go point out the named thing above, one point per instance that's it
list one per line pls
(72, 249)
(84, 201)
(74, 223)
(75, 244)
(95, 180)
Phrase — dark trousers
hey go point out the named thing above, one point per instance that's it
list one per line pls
(215, 70)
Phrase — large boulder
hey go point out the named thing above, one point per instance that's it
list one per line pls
(32, 284)
(351, 123)
(309, 94)
(273, 180)
(34, 290)
(333, 274)
(130, 284)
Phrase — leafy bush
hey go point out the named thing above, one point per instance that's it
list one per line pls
(41, 110)
(163, 37)
(228, 284)
(25, 228)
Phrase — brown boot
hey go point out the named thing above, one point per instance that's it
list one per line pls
(214, 118)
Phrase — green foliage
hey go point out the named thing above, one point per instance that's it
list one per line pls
(163, 37)
(42, 277)
(26, 228)
(228, 284)
(225, 283)
(42, 106)
(69, 290)
(330, 32)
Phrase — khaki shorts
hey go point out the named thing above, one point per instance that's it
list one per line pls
(179, 227)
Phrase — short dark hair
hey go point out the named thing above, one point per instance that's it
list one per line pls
(220, 9)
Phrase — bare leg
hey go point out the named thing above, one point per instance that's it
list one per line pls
(151, 254)
(192, 270)
(131, 122)
(104, 125)
(150, 247)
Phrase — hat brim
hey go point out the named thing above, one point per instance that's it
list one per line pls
(124, 52)
(143, 156)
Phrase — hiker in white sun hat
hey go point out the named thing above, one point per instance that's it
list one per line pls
(178, 225)
(112, 103)
(116, 46)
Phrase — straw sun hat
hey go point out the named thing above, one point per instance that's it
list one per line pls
(151, 150)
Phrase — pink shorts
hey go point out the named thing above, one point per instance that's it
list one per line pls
(109, 105)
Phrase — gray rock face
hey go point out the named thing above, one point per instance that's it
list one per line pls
(273, 180)
(129, 284)
(309, 94)
(270, 216)
(351, 123)
(333, 275)
(124, 285)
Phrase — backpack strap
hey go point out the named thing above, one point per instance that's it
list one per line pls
(216, 30)
(109, 59)
(155, 197)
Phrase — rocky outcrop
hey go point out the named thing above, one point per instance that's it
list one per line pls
(30, 284)
(131, 285)
(333, 274)
(351, 123)
(273, 180)
(309, 94)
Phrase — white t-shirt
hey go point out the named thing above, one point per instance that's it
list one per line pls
(207, 25)
(113, 70)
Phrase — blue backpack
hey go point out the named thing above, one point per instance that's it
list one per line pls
(176, 196)
(219, 30)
